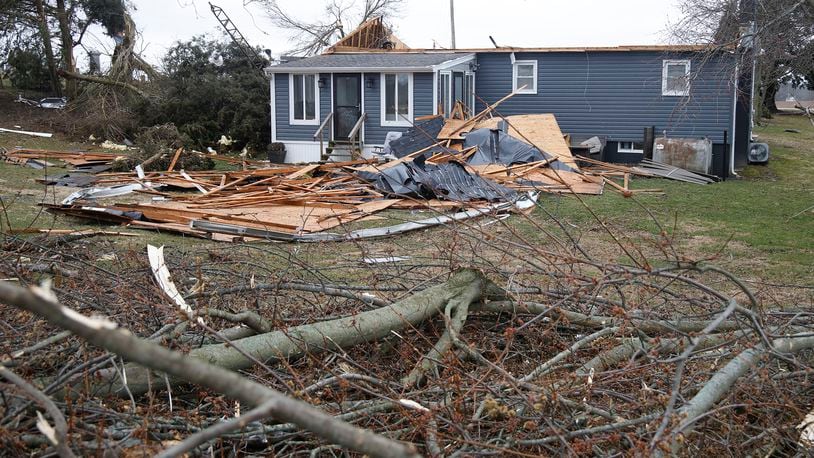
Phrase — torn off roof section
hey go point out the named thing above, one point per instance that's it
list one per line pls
(367, 60)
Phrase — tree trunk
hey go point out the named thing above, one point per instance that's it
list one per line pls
(318, 337)
(42, 21)
(67, 47)
(769, 93)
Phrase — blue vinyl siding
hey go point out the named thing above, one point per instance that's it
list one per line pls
(422, 99)
(287, 132)
(422, 106)
(374, 132)
(324, 99)
(614, 94)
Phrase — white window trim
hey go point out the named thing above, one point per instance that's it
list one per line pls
(400, 121)
(446, 98)
(273, 104)
(619, 149)
(470, 98)
(686, 63)
(303, 122)
(527, 90)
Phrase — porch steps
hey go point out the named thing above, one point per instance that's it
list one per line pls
(341, 151)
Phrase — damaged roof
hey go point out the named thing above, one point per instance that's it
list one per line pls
(361, 61)
(624, 48)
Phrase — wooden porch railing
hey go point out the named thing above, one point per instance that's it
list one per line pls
(321, 133)
(353, 137)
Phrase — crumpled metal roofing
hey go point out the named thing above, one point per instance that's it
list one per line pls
(448, 181)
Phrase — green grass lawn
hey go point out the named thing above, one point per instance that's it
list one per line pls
(754, 214)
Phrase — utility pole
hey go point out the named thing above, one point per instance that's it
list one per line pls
(452, 20)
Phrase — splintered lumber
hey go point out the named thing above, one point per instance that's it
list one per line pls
(279, 217)
(74, 158)
(535, 176)
(455, 130)
(451, 129)
(541, 130)
(175, 158)
(303, 202)
(387, 165)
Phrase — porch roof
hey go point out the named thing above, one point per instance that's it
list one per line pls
(371, 62)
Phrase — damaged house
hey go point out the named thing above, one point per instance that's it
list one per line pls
(634, 99)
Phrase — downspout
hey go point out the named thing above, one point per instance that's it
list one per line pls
(734, 120)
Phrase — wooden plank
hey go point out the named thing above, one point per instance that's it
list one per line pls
(303, 171)
(175, 158)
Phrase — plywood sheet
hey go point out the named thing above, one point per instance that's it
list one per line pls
(541, 130)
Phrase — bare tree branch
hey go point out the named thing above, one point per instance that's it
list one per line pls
(104, 334)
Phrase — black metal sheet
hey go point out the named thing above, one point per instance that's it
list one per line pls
(448, 181)
(496, 147)
(422, 135)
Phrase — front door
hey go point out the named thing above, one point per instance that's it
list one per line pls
(347, 103)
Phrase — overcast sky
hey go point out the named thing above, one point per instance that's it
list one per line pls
(541, 23)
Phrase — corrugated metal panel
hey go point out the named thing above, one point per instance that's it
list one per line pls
(614, 94)
(422, 105)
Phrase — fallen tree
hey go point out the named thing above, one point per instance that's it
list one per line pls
(541, 350)
(105, 334)
(317, 337)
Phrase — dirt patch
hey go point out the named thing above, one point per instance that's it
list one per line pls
(13, 114)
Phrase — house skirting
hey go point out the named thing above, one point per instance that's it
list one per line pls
(305, 151)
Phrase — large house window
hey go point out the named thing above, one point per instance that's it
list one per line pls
(397, 99)
(675, 78)
(303, 99)
(524, 75)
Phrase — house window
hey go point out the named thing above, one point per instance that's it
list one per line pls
(630, 147)
(675, 78)
(397, 99)
(304, 103)
(525, 76)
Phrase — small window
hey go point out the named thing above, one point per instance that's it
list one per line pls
(303, 99)
(525, 76)
(397, 99)
(630, 147)
(675, 78)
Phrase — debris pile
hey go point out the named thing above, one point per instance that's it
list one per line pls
(468, 166)
(79, 161)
